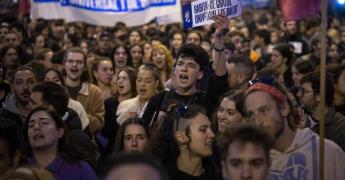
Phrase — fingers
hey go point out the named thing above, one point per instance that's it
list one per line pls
(220, 19)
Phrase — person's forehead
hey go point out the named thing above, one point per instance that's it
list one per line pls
(51, 74)
(40, 114)
(75, 55)
(134, 128)
(261, 98)
(187, 60)
(105, 63)
(120, 49)
(193, 34)
(105, 38)
(199, 120)
(238, 149)
(123, 74)
(135, 33)
(3, 29)
(136, 48)
(227, 103)
(134, 171)
(306, 85)
(145, 73)
(24, 74)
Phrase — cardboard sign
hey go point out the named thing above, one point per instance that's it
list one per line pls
(200, 12)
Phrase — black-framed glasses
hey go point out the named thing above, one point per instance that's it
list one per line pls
(266, 79)
(181, 110)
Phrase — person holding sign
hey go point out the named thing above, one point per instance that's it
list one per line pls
(191, 64)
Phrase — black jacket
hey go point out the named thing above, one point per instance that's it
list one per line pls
(209, 173)
(334, 127)
(207, 99)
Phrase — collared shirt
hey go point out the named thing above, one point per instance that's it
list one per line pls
(62, 170)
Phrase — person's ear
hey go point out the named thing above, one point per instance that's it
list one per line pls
(317, 98)
(156, 84)
(181, 137)
(241, 78)
(95, 74)
(61, 132)
(200, 75)
(285, 109)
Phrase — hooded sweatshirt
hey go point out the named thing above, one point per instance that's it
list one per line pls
(301, 159)
(9, 110)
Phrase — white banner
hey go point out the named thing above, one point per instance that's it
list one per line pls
(107, 12)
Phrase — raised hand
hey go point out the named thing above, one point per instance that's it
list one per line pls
(221, 22)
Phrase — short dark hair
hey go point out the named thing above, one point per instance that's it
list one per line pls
(229, 45)
(244, 133)
(135, 158)
(263, 33)
(74, 38)
(243, 64)
(200, 56)
(23, 68)
(53, 94)
(314, 79)
(303, 66)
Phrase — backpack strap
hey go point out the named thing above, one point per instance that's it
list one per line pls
(158, 106)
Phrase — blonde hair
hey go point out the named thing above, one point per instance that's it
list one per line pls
(168, 57)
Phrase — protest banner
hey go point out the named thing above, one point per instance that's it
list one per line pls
(200, 12)
(107, 12)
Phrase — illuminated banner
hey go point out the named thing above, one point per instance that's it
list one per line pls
(107, 12)
(200, 12)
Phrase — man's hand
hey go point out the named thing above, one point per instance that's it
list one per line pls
(221, 22)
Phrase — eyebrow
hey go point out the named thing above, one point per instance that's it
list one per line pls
(40, 118)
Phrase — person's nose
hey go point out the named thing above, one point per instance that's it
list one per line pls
(246, 172)
(134, 142)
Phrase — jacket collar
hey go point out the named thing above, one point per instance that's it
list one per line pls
(84, 89)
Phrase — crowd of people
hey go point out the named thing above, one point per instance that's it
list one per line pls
(237, 99)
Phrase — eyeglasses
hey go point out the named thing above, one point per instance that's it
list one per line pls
(265, 79)
(181, 110)
(71, 62)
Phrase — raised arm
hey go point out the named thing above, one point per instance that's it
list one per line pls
(218, 55)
